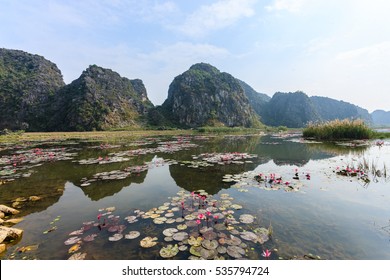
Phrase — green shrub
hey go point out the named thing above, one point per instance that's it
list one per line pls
(338, 130)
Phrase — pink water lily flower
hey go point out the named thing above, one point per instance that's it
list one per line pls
(266, 253)
(198, 222)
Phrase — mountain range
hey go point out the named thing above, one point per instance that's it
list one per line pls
(34, 97)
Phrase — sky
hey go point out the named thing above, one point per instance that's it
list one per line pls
(334, 48)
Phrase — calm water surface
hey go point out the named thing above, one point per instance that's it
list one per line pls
(330, 216)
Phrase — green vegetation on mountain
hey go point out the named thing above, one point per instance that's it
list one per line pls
(100, 99)
(204, 96)
(256, 99)
(331, 109)
(28, 86)
(292, 109)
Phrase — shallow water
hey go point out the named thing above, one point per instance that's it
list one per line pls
(329, 216)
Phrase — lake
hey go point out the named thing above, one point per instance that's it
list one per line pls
(225, 197)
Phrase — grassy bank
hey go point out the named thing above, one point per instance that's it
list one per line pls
(342, 130)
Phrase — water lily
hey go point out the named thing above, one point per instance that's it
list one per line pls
(266, 253)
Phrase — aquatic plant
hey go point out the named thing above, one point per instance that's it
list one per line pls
(338, 130)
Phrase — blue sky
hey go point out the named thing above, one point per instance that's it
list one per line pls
(334, 48)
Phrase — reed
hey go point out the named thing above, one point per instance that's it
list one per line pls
(338, 130)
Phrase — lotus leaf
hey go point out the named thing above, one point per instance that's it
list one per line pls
(246, 218)
(190, 217)
(169, 215)
(182, 227)
(132, 234)
(159, 220)
(72, 240)
(154, 216)
(179, 220)
(210, 235)
(74, 248)
(116, 237)
(250, 236)
(78, 256)
(180, 236)
(90, 237)
(196, 251)
(168, 239)
(195, 241)
(110, 209)
(170, 221)
(148, 242)
(235, 252)
(183, 248)
(169, 251)
(210, 244)
(77, 232)
(208, 254)
(170, 231)
(233, 241)
(221, 249)
(191, 223)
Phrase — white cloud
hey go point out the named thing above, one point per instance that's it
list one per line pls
(216, 16)
(376, 52)
(291, 6)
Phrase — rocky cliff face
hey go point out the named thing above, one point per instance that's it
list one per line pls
(28, 85)
(331, 109)
(205, 96)
(292, 109)
(100, 99)
(256, 99)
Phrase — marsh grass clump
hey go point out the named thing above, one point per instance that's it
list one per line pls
(338, 130)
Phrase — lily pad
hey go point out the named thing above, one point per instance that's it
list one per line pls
(180, 236)
(131, 219)
(210, 244)
(116, 237)
(169, 251)
(77, 232)
(208, 254)
(222, 249)
(89, 238)
(72, 240)
(170, 231)
(132, 234)
(235, 252)
(159, 220)
(181, 227)
(148, 242)
(183, 248)
(236, 206)
(78, 256)
(246, 219)
(74, 248)
(248, 235)
(196, 251)
(195, 241)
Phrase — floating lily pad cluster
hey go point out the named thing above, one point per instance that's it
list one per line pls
(12, 166)
(246, 180)
(190, 225)
(225, 158)
(357, 173)
(101, 160)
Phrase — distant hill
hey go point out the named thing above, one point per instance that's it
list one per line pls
(34, 97)
(28, 85)
(203, 96)
(292, 109)
(256, 99)
(331, 109)
(381, 118)
(100, 99)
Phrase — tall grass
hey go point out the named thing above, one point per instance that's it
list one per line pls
(338, 130)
